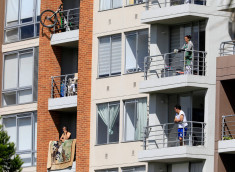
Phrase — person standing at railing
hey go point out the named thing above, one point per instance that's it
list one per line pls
(188, 54)
(180, 119)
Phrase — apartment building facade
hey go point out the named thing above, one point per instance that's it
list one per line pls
(112, 77)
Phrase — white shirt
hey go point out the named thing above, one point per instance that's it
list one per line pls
(184, 124)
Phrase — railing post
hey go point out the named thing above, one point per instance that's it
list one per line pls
(66, 86)
(52, 88)
(191, 134)
(202, 141)
(145, 138)
(203, 68)
(164, 68)
(145, 66)
(184, 63)
(183, 134)
(163, 135)
(223, 126)
(193, 62)
(147, 5)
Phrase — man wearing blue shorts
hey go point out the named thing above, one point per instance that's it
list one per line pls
(180, 118)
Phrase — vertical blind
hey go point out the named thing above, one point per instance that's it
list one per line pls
(25, 133)
(116, 53)
(104, 56)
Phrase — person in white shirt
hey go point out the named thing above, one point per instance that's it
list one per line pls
(180, 118)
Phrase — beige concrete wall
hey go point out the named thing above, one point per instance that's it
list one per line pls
(18, 109)
(118, 88)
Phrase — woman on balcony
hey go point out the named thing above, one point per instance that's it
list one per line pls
(66, 134)
(188, 53)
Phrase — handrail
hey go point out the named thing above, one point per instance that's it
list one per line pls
(227, 48)
(64, 85)
(166, 3)
(166, 135)
(191, 62)
(228, 127)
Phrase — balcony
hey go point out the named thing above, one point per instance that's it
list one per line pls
(171, 72)
(66, 32)
(227, 142)
(161, 143)
(174, 11)
(63, 92)
(226, 61)
(224, 5)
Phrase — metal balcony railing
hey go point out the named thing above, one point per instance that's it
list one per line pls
(166, 135)
(69, 20)
(228, 127)
(172, 64)
(227, 48)
(167, 3)
(64, 85)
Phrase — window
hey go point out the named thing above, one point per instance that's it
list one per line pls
(22, 129)
(134, 2)
(20, 77)
(135, 119)
(110, 4)
(136, 169)
(108, 170)
(22, 19)
(136, 50)
(110, 55)
(108, 123)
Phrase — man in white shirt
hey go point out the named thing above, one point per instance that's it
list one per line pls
(180, 118)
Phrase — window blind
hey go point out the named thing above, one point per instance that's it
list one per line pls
(26, 69)
(116, 55)
(104, 56)
(12, 10)
(27, 9)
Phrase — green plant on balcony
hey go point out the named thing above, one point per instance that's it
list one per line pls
(227, 138)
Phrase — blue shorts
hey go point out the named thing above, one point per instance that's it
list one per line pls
(180, 132)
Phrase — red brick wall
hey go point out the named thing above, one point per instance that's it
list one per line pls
(84, 85)
(49, 65)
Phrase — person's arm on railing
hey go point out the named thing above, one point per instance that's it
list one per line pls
(179, 120)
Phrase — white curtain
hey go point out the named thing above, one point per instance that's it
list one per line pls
(25, 96)
(26, 70)
(25, 133)
(10, 126)
(105, 4)
(113, 112)
(141, 118)
(103, 112)
(12, 10)
(130, 52)
(35, 131)
(10, 71)
(117, 3)
(27, 9)
(130, 108)
(38, 7)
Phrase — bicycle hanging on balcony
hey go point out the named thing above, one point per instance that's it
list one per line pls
(49, 18)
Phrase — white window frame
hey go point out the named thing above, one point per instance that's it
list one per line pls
(97, 124)
(35, 22)
(125, 116)
(136, 33)
(110, 56)
(18, 89)
(32, 151)
(111, 5)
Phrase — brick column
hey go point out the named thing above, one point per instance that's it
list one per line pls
(49, 65)
(84, 85)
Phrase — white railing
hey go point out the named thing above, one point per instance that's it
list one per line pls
(172, 64)
(227, 48)
(166, 135)
(167, 3)
(64, 85)
(228, 127)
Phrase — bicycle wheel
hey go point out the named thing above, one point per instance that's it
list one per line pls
(48, 18)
